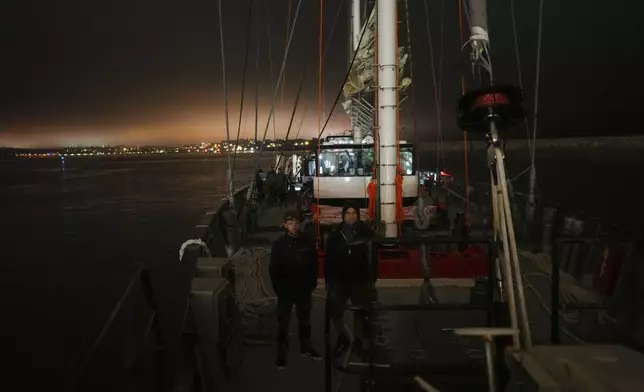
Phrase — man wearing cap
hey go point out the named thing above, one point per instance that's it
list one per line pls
(293, 271)
(349, 276)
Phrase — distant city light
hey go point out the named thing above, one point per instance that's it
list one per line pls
(242, 146)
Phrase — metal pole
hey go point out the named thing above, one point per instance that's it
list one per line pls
(491, 376)
(505, 262)
(510, 245)
(533, 174)
(327, 346)
(355, 28)
(496, 228)
(356, 24)
(387, 107)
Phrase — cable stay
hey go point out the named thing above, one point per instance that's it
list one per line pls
(243, 87)
(299, 128)
(257, 54)
(440, 156)
(337, 98)
(324, 53)
(530, 209)
(270, 59)
(279, 80)
(290, 124)
(225, 88)
(413, 88)
(288, 28)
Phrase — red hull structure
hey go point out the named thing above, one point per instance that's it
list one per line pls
(405, 263)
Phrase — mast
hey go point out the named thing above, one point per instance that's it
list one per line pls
(488, 110)
(387, 107)
(355, 28)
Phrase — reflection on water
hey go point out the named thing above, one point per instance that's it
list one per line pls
(72, 239)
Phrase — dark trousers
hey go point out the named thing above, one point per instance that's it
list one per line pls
(360, 294)
(302, 302)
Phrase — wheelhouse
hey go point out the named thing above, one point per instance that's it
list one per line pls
(343, 169)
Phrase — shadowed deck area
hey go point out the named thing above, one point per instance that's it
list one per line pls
(413, 342)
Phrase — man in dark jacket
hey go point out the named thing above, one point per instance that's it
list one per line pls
(349, 275)
(293, 271)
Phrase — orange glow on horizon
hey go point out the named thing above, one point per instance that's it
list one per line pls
(183, 128)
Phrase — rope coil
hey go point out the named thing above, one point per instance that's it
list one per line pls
(195, 241)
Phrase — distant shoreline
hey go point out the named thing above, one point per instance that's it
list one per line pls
(475, 143)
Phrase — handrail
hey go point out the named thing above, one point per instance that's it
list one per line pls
(379, 243)
(558, 244)
(141, 277)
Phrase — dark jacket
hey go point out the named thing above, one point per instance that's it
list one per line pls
(294, 265)
(347, 259)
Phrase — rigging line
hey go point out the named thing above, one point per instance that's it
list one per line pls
(288, 28)
(299, 128)
(536, 83)
(270, 57)
(346, 77)
(326, 48)
(440, 78)
(518, 59)
(279, 79)
(297, 100)
(467, 181)
(436, 88)
(223, 73)
(257, 54)
(317, 156)
(413, 89)
(243, 86)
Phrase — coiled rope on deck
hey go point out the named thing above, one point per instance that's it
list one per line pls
(253, 295)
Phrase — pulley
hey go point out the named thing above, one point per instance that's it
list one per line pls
(502, 104)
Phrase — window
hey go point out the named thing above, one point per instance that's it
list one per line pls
(309, 168)
(407, 160)
(346, 162)
(351, 161)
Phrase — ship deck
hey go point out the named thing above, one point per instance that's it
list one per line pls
(418, 341)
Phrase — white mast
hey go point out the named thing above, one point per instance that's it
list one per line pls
(480, 42)
(355, 28)
(387, 107)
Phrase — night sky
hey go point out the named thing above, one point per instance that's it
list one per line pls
(149, 72)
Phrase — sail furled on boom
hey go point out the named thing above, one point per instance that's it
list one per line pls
(361, 75)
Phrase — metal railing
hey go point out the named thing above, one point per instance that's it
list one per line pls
(584, 257)
(125, 366)
(123, 356)
(369, 371)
